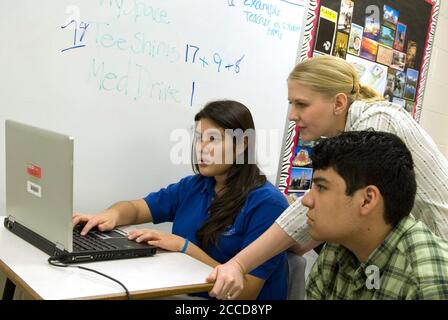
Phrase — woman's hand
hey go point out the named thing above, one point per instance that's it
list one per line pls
(163, 240)
(105, 221)
(229, 280)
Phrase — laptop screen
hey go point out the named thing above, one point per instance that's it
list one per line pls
(39, 181)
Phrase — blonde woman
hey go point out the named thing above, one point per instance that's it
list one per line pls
(327, 99)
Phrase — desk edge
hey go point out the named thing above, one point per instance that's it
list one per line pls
(153, 293)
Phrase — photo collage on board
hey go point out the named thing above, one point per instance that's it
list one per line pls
(302, 169)
(378, 48)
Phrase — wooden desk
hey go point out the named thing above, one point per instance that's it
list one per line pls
(164, 274)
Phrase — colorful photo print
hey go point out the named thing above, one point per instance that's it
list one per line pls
(369, 49)
(300, 179)
(410, 105)
(390, 85)
(401, 102)
(370, 73)
(340, 47)
(302, 143)
(326, 30)
(399, 84)
(410, 88)
(400, 36)
(384, 55)
(345, 15)
(302, 156)
(355, 39)
(372, 27)
(411, 52)
(390, 17)
(398, 60)
(387, 36)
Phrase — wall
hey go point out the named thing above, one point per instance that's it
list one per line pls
(434, 118)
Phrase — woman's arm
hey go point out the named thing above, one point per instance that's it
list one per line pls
(229, 277)
(269, 244)
(252, 284)
(172, 242)
(302, 249)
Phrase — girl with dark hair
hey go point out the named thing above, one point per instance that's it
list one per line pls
(218, 211)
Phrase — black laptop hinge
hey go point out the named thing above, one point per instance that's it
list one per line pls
(9, 223)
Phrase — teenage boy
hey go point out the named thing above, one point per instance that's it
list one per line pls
(363, 191)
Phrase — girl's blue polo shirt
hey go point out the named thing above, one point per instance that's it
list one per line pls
(186, 204)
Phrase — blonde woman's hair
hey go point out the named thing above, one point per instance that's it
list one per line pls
(331, 75)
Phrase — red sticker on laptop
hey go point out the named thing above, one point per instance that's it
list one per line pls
(34, 171)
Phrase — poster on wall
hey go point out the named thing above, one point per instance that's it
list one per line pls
(326, 31)
(302, 171)
(354, 42)
(345, 15)
(370, 73)
(388, 42)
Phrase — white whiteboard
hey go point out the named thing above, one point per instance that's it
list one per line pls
(124, 77)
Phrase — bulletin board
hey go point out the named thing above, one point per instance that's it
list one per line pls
(388, 42)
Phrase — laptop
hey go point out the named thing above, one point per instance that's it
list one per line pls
(39, 199)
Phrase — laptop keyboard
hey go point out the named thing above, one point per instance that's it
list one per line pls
(89, 242)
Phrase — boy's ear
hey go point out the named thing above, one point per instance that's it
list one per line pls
(370, 199)
(340, 104)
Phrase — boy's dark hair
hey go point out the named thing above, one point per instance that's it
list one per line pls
(376, 158)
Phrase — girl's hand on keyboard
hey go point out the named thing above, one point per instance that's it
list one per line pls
(163, 240)
(104, 221)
